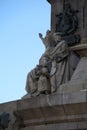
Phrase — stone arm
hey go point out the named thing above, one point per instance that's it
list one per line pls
(42, 39)
(61, 52)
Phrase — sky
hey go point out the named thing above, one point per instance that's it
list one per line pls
(20, 45)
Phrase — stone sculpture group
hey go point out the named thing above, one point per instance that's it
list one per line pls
(55, 66)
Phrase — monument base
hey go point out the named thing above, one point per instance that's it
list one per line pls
(58, 111)
(65, 109)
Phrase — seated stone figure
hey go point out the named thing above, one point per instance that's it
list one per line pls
(63, 61)
(59, 56)
(56, 66)
(44, 78)
(38, 79)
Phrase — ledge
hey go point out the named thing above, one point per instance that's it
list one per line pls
(48, 109)
(54, 108)
(80, 49)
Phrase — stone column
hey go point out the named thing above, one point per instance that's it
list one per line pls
(80, 5)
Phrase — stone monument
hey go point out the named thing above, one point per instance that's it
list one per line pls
(56, 88)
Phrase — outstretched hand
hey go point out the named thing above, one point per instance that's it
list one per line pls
(40, 35)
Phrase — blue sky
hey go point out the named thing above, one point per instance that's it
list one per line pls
(20, 46)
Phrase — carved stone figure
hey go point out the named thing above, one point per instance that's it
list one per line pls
(38, 79)
(62, 68)
(32, 78)
(48, 41)
(44, 82)
(54, 67)
(58, 56)
(67, 23)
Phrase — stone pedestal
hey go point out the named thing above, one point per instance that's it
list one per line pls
(65, 109)
(59, 111)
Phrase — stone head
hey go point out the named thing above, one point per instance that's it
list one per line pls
(44, 60)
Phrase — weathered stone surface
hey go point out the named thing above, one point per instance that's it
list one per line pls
(55, 67)
(61, 126)
(45, 111)
(80, 49)
(80, 5)
(66, 109)
(73, 86)
(81, 71)
(9, 107)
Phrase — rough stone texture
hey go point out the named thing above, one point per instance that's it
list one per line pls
(81, 71)
(80, 5)
(9, 107)
(73, 86)
(62, 126)
(55, 67)
(55, 111)
(60, 111)
(80, 49)
(65, 109)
